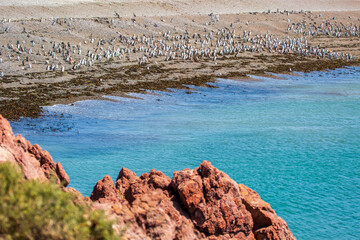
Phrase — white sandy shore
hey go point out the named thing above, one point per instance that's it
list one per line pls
(26, 9)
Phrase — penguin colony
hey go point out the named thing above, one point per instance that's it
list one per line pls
(170, 45)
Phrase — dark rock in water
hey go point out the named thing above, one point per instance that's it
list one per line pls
(35, 163)
(203, 203)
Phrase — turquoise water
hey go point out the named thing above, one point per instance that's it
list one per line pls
(296, 141)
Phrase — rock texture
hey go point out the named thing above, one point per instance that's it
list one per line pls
(35, 163)
(214, 202)
(267, 225)
(203, 203)
(145, 206)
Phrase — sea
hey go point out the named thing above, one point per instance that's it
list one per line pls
(294, 139)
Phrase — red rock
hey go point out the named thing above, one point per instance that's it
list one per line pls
(124, 179)
(64, 178)
(49, 173)
(104, 190)
(154, 216)
(159, 180)
(34, 162)
(213, 201)
(203, 203)
(36, 151)
(132, 187)
(45, 158)
(5, 131)
(267, 225)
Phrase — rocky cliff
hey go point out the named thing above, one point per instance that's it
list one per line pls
(35, 163)
(203, 203)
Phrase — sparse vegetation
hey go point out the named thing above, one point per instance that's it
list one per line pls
(34, 210)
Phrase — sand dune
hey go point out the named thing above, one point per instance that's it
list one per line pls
(24, 9)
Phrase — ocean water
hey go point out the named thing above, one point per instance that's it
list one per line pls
(295, 140)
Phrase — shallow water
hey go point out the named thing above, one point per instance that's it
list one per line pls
(296, 141)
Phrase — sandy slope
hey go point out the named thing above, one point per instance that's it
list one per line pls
(25, 9)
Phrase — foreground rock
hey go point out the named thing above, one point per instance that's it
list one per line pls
(35, 163)
(203, 203)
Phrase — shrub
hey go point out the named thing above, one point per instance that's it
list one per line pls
(34, 210)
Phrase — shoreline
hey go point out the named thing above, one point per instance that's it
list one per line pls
(89, 58)
(32, 108)
(53, 52)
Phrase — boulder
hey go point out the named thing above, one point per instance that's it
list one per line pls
(214, 202)
(203, 203)
(267, 225)
(132, 187)
(104, 191)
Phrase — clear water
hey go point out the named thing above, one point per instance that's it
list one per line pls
(296, 141)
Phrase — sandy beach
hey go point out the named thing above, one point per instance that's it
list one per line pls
(23, 9)
(63, 51)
